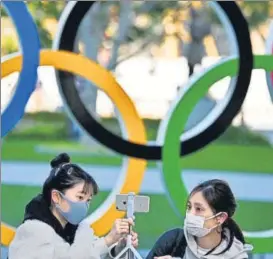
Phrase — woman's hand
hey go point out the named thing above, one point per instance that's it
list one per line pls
(122, 241)
(134, 239)
(120, 228)
(163, 257)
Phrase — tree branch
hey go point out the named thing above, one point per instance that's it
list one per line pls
(142, 47)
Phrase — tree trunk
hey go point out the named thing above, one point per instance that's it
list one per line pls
(91, 35)
(199, 29)
(125, 22)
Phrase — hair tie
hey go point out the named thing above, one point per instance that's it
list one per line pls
(60, 167)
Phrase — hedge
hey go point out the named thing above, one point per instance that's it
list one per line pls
(55, 126)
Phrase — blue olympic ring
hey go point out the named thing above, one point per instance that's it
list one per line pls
(30, 45)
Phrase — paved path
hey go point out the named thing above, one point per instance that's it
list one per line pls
(246, 186)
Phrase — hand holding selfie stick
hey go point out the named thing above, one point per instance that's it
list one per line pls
(129, 251)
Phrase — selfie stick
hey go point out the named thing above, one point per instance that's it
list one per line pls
(129, 250)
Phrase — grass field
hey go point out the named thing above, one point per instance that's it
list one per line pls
(215, 156)
(160, 218)
(236, 151)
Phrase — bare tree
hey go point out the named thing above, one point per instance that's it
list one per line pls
(199, 28)
(91, 36)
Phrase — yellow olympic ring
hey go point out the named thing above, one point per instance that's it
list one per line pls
(105, 81)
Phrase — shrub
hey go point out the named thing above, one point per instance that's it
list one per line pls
(54, 126)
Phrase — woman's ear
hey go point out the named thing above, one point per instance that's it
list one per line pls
(55, 197)
(222, 218)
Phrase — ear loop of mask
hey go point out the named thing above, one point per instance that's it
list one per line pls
(61, 196)
(214, 216)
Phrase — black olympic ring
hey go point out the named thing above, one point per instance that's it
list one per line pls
(124, 147)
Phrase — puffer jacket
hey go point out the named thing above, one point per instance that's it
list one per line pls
(41, 236)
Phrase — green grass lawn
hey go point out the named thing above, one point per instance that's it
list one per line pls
(234, 151)
(215, 156)
(25, 150)
(149, 226)
(161, 216)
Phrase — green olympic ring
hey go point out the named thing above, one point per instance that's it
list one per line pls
(170, 165)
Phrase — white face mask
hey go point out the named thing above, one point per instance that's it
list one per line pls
(194, 225)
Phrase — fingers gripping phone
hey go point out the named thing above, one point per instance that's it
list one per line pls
(141, 203)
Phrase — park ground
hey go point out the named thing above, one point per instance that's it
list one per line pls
(237, 151)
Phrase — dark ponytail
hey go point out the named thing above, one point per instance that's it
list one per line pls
(65, 175)
(234, 231)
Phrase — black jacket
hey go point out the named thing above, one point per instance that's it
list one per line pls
(172, 242)
(38, 209)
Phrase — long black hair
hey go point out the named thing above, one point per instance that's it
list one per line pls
(220, 198)
(65, 175)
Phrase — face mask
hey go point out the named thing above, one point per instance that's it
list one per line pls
(194, 225)
(77, 211)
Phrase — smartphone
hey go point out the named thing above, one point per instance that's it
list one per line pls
(141, 204)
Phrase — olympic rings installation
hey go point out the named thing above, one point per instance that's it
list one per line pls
(65, 40)
(135, 147)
